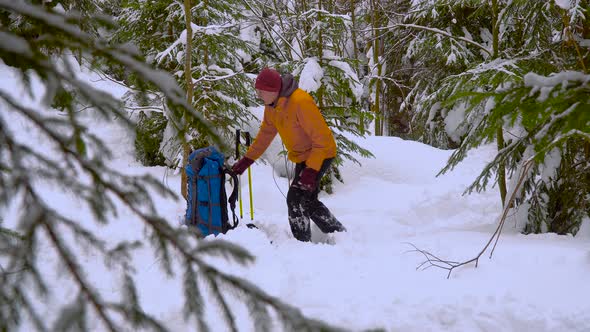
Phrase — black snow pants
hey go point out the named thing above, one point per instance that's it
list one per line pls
(304, 205)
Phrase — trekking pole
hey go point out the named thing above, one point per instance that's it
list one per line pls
(250, 180)
(238, 133)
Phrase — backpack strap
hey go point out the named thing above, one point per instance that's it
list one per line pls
(233, 197)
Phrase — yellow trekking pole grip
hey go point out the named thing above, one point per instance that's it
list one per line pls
(250, 180)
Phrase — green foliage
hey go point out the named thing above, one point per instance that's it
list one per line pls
(559, 203)
(84, 13)
(8, 235)
(534, 91)
(138, 22)
(441, 55)
(148, 137)
(524, 45)
(62, 99)
(550, 114)
(222, 90)
(222, 56)
(434, 57)
(327, 182)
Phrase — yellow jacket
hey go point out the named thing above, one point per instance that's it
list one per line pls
(302, 128)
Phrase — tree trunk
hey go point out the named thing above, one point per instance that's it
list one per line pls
(355, 52)
(500, 132)
(189, 90)
(306, 28)
(376, 107)
(320, 55)
(354, 37)
(284, 28)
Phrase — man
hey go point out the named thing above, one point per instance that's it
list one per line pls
(292, 113)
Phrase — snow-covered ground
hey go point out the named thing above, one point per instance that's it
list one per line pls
(365, 278)
(369, 279)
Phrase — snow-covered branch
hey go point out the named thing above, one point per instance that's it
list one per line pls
(433, 30)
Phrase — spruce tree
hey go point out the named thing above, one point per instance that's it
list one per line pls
(220, 87)
(518, 84)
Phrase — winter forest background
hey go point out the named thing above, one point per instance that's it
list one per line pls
(456, 75)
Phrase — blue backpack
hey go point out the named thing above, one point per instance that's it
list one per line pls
(207, 200)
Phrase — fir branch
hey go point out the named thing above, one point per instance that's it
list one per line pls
(218, 296)
(23, 301)
(131, 309)
(10, 234)
(194, 303)
(260, 314)
(74, 270)
(72, 317)
(225, 249)
(435, 31)
(145, 320)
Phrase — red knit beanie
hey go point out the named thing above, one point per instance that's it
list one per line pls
(268, 80)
